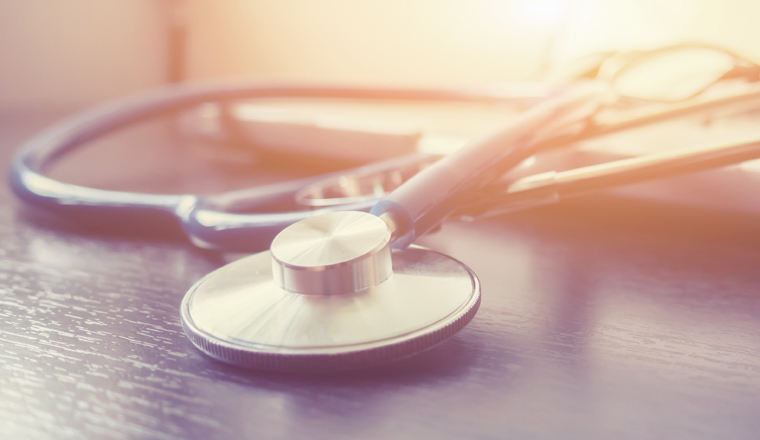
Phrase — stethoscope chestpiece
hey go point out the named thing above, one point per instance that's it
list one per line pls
(330, 295)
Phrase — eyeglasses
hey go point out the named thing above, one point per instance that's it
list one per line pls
(667, 74)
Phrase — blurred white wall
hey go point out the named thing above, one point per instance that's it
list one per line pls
(56, 53)
(445, 41)
(64, 54)
(369, 41)
(642, 24)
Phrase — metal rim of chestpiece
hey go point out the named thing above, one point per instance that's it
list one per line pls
(325, 298)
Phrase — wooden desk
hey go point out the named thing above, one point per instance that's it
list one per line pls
(601, 319)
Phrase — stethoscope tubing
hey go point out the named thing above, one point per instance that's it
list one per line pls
(199, 216)
(211, 221)
(430, 196)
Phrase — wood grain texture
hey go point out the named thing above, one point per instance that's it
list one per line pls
(601, 319)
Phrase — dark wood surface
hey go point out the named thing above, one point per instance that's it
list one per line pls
(601, 319)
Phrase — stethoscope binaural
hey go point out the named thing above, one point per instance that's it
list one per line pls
(340, 287)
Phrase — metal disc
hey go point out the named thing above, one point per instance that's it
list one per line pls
(332, 254)
(237, 314)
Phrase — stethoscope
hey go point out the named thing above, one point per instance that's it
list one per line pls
(342, 286)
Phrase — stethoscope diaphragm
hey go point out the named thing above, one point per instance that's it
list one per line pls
(241, 313)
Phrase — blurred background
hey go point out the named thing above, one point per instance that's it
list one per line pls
(65, 55)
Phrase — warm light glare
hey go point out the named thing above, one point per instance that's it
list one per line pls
(379, 42)
(546, 12)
